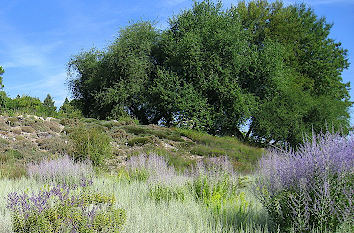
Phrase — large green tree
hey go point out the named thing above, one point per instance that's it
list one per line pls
(264, 67)
(309, 93)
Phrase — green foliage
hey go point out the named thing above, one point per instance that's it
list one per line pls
(90, 143)
(69, 110)
(259, 64)
(164, 193)
(137, 175)
(28, 105)
(49, 107)
(1, 73)
(162, 133)
(2, 93)
(208, 151)
(139, 141)
(243, 156)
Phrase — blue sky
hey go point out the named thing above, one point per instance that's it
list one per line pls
(38, 37)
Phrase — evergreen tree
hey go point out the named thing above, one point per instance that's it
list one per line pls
(49, 107)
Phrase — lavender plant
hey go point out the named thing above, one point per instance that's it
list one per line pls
(311, 188)
(64, 208)
(154, 169)
(62, 170)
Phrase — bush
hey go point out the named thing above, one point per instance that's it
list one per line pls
(310, 188)
(56, 145)
(16, 130)
(90, 143)
(139, 141)
(64, 209)
(12, 170)
(135, 129)
(27, 129)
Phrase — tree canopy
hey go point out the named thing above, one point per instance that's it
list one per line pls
(261, 71)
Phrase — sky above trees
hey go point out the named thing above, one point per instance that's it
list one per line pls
(39, 37)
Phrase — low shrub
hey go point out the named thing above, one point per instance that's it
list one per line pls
(140, 141)
(27, 129)
(167, 134)
(64, 209)
(311, 188)
(54, 126)
(16, 130)
(136, 129)
(90, 143)
(4, 126)
(12, 170)
(57, 145)
(119, 134)
(13, 121)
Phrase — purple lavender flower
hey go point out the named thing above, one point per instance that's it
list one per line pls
(62, 170)
(314, 182)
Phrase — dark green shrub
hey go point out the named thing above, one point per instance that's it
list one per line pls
(178, 161)
(139, 141)
(135, 129)
(90, 143)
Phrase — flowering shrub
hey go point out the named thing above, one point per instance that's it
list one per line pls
(62, 170)
(64, 209)
(152, 168)
(311, 187)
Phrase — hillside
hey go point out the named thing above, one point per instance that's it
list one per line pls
(29, 138)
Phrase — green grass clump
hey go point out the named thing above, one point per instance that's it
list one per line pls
(90, 143)
(164, 193)
(208, 151)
